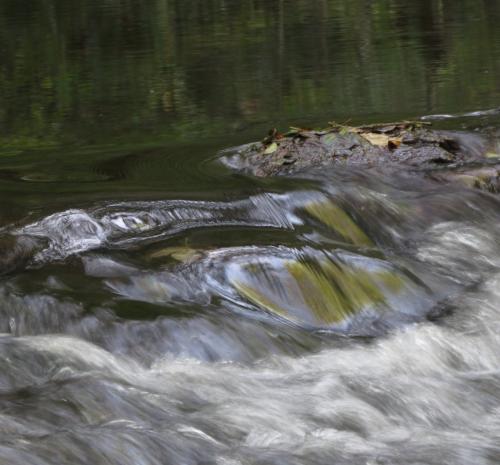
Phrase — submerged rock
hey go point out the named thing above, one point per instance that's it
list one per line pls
(16, 251)
(337, 220)
(335, 291)
(481, 177)
(338, 291)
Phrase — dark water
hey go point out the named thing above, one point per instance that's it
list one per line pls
(156, 308)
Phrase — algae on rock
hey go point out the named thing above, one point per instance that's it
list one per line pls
(322, 292)
(339, 221)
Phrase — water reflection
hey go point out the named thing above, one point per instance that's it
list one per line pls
(92, 71)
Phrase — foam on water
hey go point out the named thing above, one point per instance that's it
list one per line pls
(427, 394)
(469, 114)
(204, 373)
(74, 231)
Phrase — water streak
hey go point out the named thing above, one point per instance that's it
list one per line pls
(139, 334)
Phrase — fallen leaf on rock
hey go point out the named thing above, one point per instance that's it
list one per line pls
(381, 140)
(271, 148)
(394, 142)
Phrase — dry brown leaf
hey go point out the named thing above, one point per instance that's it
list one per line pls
(376, 139)
(395, 142)
(382, 140)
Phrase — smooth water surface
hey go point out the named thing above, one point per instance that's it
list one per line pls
(156, 308)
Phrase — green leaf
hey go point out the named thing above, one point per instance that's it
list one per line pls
(271, 148)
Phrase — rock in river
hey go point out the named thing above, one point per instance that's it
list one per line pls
(444, 156)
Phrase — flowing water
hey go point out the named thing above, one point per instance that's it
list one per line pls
(156, 308)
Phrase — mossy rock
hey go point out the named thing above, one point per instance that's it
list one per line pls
(338, 220)
(322, 290)
(179, 254)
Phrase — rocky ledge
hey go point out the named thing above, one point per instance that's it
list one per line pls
(447, 156)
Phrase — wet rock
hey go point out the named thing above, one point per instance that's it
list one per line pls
(480, 177)
(335, 291)
(179, 254)
(16, 251)
(410, 144)
(342, 292)
(337, 220)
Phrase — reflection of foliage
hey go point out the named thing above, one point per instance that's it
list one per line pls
(78, 69)
(330, 291)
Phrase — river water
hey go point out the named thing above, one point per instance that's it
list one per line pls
(157, 308)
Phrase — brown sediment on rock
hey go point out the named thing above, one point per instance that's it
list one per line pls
(444, 155)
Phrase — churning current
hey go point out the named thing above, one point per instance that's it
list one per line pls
(343, 318)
